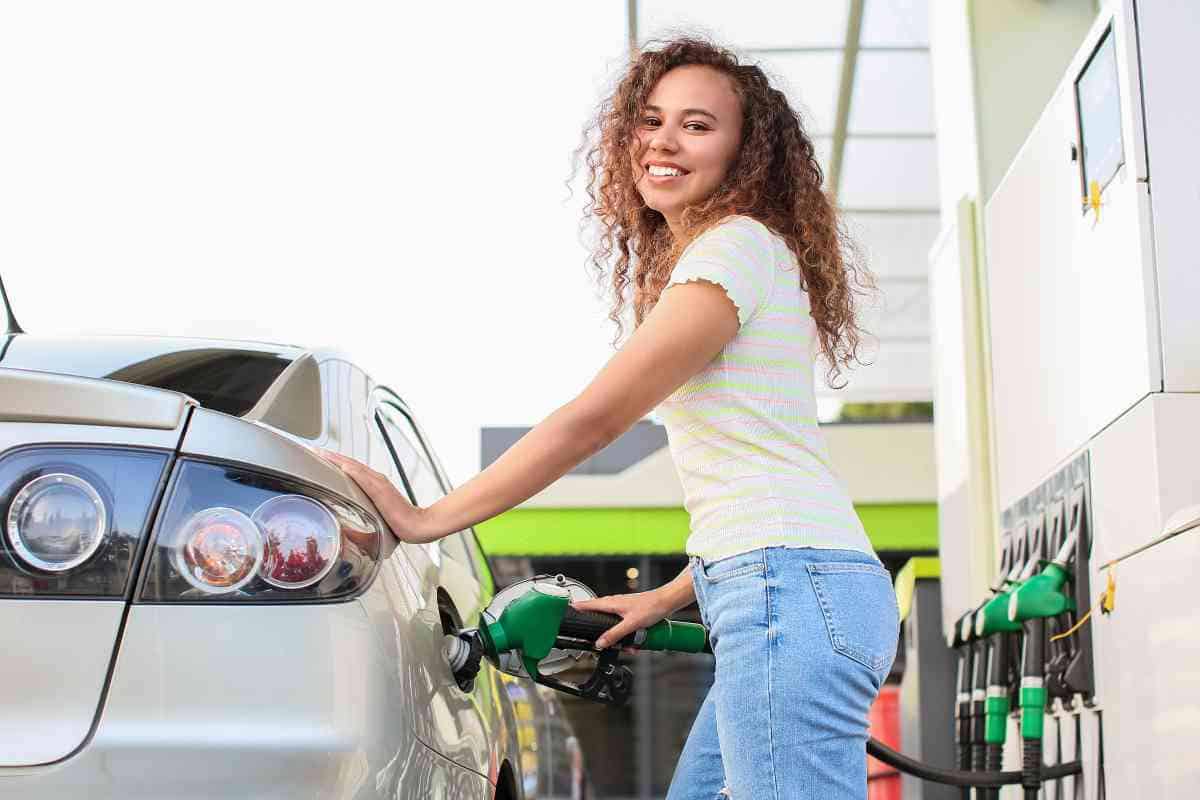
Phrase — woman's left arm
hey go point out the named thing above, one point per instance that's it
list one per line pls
(688, 327)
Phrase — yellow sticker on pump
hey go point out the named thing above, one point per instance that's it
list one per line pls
(1110, 592)
(1093, 199)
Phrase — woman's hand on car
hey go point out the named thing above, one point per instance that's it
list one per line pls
(407, 522)
(637, 611)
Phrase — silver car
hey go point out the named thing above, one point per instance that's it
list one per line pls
(193, 604)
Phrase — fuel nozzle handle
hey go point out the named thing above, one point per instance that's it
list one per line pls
(1041, 595)
(667, 634)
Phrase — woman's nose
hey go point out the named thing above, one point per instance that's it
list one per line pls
(663, 139)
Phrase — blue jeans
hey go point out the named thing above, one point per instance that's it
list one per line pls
(803, 639)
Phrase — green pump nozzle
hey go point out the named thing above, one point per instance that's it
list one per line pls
(535, 622)
(993, 625)
(1041, 596)
(1036, 599)
(993, 618)
(528, 625)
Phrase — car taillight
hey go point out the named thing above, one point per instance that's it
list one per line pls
(232, 534)
(73, 518)
(57, 521)
(219, 550)
(302, 541)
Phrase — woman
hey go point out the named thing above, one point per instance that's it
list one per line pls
(709, 197)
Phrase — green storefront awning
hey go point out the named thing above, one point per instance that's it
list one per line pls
(656, 531)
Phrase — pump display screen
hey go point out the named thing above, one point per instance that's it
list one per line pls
(1099, 103)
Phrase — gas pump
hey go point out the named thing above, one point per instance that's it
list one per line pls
(1090, 344)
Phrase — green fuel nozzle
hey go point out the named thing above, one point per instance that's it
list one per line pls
(529, 625)
(992, 623)
(534, 624)
(1042, 596)
(993, 617)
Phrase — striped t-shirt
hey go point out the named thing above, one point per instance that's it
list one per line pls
(743, 431)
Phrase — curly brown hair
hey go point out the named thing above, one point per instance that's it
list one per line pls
(775, 179)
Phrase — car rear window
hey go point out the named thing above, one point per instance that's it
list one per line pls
(222, 377)
(229, 382)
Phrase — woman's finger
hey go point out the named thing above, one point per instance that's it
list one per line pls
(361, 473)
(338, 460)
(615, 634)
(328, 456)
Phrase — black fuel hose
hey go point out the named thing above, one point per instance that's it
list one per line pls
(979, 684)
(995, 758)
(957, 777)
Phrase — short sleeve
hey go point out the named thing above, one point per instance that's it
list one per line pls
(737, 254)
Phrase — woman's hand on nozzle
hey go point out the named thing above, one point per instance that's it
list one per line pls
(637, 611)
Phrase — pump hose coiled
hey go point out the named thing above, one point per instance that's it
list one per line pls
(953, 777)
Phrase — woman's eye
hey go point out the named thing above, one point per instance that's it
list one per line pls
(650, 121)
(696, 126)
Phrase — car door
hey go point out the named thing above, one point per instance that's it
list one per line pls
(464, 725)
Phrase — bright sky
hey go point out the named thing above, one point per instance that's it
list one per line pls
(381, 177)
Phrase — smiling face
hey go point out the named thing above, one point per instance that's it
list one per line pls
(687, 139)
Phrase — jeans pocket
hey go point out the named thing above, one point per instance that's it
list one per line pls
(859, 607)
(738, 566)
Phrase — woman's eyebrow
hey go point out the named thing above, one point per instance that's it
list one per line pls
(687, 112)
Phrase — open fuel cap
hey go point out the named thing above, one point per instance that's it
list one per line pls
(557, 660)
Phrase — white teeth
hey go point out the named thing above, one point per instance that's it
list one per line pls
(662, 172)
